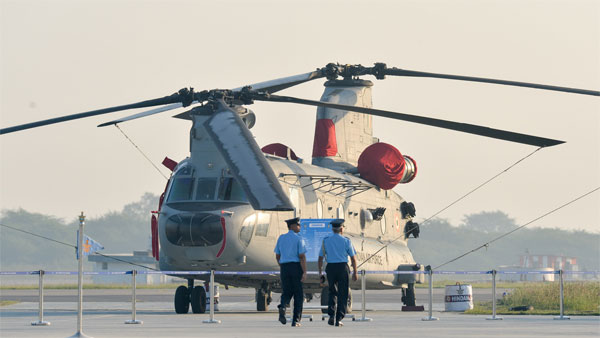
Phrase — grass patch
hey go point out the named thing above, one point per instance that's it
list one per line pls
(475, 285)
(8, 302)
(580, 298)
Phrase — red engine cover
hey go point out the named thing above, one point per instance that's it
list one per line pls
(280, 150)
(381, 164)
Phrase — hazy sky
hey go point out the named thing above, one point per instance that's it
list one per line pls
(64, 57)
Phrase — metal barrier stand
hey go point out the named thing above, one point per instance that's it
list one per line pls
(363, 282)
(133, 300)
(41, 321)
(212, 319)
(79, 332)
(493, 317)
(430, 272)
(562, 298)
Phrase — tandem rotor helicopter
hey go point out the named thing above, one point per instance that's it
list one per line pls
(224, 206)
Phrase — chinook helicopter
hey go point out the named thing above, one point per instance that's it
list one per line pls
(224, 206)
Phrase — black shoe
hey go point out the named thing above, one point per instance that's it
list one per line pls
(331, 321)
(339, 323)
(282, 319)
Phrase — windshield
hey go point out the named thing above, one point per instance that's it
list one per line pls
(186, 187)
(231, 190)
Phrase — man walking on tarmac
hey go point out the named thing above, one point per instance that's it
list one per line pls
(289, 252)
(336, 249)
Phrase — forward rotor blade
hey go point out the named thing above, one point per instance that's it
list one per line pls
(144, 114)
(462, 127)
(404, 72)
(143, 104)
(276, 85)
(246, 161)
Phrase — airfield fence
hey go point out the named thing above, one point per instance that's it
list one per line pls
(363, 273)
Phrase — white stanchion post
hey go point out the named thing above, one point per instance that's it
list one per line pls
(79, 332)
(430, 272)
(493, 317)
(363, 282)
(133, 300)
(41, 321)
(562, 298)
(212, 319)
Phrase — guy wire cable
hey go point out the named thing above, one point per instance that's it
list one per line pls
(451, 204)
(141, 152)
(487, 244)
(75, 247)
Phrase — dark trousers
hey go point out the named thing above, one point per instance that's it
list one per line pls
(337, 277)
(291, 274)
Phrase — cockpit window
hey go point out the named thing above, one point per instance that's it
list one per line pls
(181, 189)
(205, 188)
(231, 190)
(247, 229)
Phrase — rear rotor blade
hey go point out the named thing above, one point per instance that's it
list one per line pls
(404, 72)
(462, 127)
(276, 85)
(246, 161)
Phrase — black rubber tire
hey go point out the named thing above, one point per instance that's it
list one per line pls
(261, 300)
(324, 298)
(410, 295)
(182, 300)
(198, 299)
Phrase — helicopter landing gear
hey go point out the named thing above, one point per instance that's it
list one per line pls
(263, 297)
(198, 299)
(184, 296)
(408, 295)
(182, 300)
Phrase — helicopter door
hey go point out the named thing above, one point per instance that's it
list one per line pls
(295, 199)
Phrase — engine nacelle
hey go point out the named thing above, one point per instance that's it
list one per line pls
(383, 165)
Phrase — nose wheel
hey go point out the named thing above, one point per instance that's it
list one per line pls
(190, 295)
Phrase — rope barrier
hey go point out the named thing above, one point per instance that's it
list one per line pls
(372, 272)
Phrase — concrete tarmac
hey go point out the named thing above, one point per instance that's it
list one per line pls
(238, 319)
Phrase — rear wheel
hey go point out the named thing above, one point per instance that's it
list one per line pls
(182, 300)
(198, 300)
(262, 302)
(410, 295)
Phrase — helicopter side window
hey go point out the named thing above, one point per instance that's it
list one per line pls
(319, 208)
(205, 189)
(181, 189)
(340, 211)
(262, 226)
(231, 190)
(247, 229)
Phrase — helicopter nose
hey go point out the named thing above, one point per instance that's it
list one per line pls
(195, 229)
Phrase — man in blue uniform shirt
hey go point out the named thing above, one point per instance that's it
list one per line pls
(336, 249)
(289, 253)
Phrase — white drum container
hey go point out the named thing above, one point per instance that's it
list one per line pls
(459, 297)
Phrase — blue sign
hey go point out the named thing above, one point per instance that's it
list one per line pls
(313, 231)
